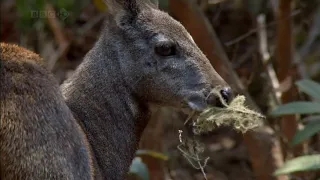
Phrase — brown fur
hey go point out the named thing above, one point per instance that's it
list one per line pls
(12, 52)
(39, 138)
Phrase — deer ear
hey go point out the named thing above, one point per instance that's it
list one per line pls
(152, 3)
(123, 7)
(155, 3)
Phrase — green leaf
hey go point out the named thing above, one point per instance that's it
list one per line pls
(152, 154)
(309, 87)
(139, 168)
(311, 118)
(309, 130)
(302, 163)
(299, 107)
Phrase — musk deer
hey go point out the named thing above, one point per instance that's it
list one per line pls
(39, 138)
(143, 58)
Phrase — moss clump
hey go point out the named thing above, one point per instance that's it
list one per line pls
(235, 115)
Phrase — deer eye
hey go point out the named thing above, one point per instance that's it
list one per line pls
(165, 50)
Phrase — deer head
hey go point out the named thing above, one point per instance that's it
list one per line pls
(142, 57)
(159, 60)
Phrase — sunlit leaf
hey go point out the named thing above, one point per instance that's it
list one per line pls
(309, 130)
(299, 107)
(302, 163)
(309, 87)
(152, 154)
(139, 169)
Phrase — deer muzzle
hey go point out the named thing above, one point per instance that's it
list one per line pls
(199, 102)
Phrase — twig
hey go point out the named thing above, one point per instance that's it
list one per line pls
(312, 36)
(305, 49)
(263, 48)
(192, 155)
(90, 24)
(274, 5)
(202, 166)
(189, 117)
(59, 35)
(56, 26)
(253, 31)
(60, 52)
(244, 57)
(218, 13)
(243, 36)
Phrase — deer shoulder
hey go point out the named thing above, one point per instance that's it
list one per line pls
(40, 139)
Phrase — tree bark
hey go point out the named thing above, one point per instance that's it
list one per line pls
(285, 69)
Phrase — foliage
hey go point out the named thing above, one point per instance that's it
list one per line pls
(310, 129)
(310, 87)
(33, 12)
(297, 108)
(152, 154)
(303, 163)
(308, 162)
(138, 168)
(25, 11)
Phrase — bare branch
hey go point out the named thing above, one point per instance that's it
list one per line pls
(263, 44)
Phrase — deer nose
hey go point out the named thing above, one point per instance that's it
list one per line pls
(226, 94)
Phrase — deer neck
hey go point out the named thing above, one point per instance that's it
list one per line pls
(107, 110)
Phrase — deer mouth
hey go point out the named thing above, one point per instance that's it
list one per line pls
(200, 101)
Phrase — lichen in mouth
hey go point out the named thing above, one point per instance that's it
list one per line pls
(235, 115)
